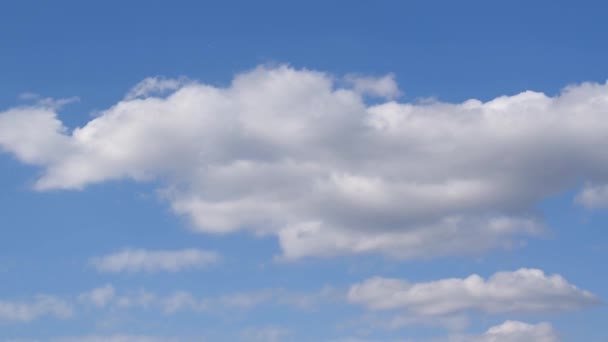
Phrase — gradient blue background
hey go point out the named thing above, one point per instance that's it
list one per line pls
(451, 50)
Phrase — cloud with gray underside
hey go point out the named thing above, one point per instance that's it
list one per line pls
(303, 156)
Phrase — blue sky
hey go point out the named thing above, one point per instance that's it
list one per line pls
(273, 171)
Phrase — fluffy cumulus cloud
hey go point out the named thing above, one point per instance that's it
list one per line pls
(521, 291)
(42, 305)
(302, 156)
(141, 260)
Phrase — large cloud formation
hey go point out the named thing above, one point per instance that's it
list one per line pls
(303, 156)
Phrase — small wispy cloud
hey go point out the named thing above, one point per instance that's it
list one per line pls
(142, 260)
(41, 305)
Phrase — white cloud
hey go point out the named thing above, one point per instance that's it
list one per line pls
(154, 86)
(594, 196)
(452, 322)
(141, 260)
(512, 331)
(42, 305)
(290, 153)
(33, 134)
(521, 291)
(99, 297)
(107, 297)
(509, 331)
(182, 300)
(385, 86)
(453, 235)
